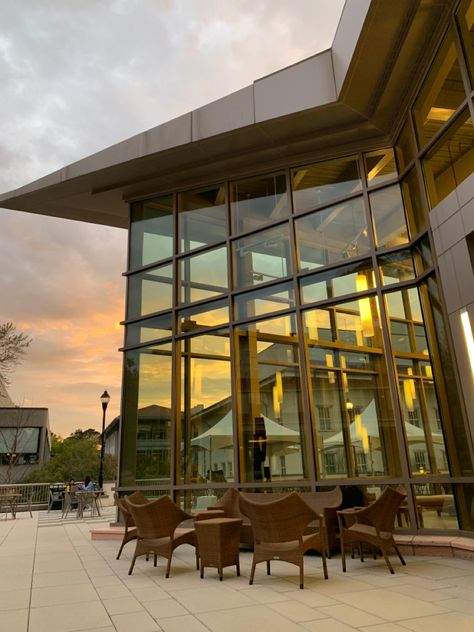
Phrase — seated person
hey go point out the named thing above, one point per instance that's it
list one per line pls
(70, 486)
(88, 485)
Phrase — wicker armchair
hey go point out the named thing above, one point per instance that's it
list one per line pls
(157, 530)
(325, 503)
(373, 525)
(130, 532)
(279, 528)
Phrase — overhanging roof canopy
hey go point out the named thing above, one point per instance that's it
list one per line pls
(351, 93)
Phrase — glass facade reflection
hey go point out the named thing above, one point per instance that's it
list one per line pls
(286, 329)
(323, 375)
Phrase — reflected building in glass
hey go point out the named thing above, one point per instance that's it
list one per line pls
(300, 285)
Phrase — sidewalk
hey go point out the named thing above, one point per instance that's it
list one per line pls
(54, 578)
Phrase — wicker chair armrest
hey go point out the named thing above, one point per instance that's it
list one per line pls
(355, 514)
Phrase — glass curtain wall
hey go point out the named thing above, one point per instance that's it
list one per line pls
(285, 330)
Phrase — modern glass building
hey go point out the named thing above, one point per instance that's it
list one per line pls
(301, 273)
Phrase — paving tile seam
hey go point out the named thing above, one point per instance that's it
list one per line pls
(72, 543)
(95, 545)
(33, 572)
(10, 529)
(93, 555)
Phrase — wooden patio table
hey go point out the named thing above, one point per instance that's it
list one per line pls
(219, 543)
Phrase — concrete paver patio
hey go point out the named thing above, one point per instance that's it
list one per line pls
(54, 578)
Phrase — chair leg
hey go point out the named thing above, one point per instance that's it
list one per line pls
(343, 555)
(168, 566)
(238, 568)
(325, 566)
(400, 556)
(155, 559)
(252, 572)
(132, 564)
(197, 559)
(268, 567)
(120, 551)
(387, 562)
(301, 575)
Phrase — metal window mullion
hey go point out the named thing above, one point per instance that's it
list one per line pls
(234, 369)
(309, 445)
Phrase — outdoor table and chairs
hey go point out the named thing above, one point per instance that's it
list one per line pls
(88, 500)
(81, 501)
(278, 526)
(9, 502)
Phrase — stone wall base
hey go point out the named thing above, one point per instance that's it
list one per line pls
(436, 545)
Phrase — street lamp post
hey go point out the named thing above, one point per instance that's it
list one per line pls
(105, 399)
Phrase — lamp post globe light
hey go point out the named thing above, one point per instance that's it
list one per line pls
(105, 399)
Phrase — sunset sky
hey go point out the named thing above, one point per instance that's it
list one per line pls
(77, 76)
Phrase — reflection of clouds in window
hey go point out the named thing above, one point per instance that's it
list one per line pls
(155, 381)
(210, 381)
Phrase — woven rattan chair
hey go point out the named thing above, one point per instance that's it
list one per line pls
(130, 531)
(279, 527)
(372, 525)
(157, 523)
(325, 503)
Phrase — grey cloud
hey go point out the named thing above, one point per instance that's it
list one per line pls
(77, 76)
(56, 268)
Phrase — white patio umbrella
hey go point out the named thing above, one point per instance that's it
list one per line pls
(221, 434)
(370, 423)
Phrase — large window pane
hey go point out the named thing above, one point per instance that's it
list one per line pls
(323, 182)
(264, 301)
(380, 166)
(389, 217)
(332, 234)
(262, 257)
(149, 329)
(151, 231)
(405, 147)
(207, 429)
(418, 399)
(436, 505)
(257, 201)
(355, 323)
(451, 160)
(415, 204)
(350, 393)
(212, 315)
(357, 277)
(19, 443)
(202, 217)
(396, 267)
(150, 291)
(271, 432)
(204, 275)
(146, 439)
(442, 92)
